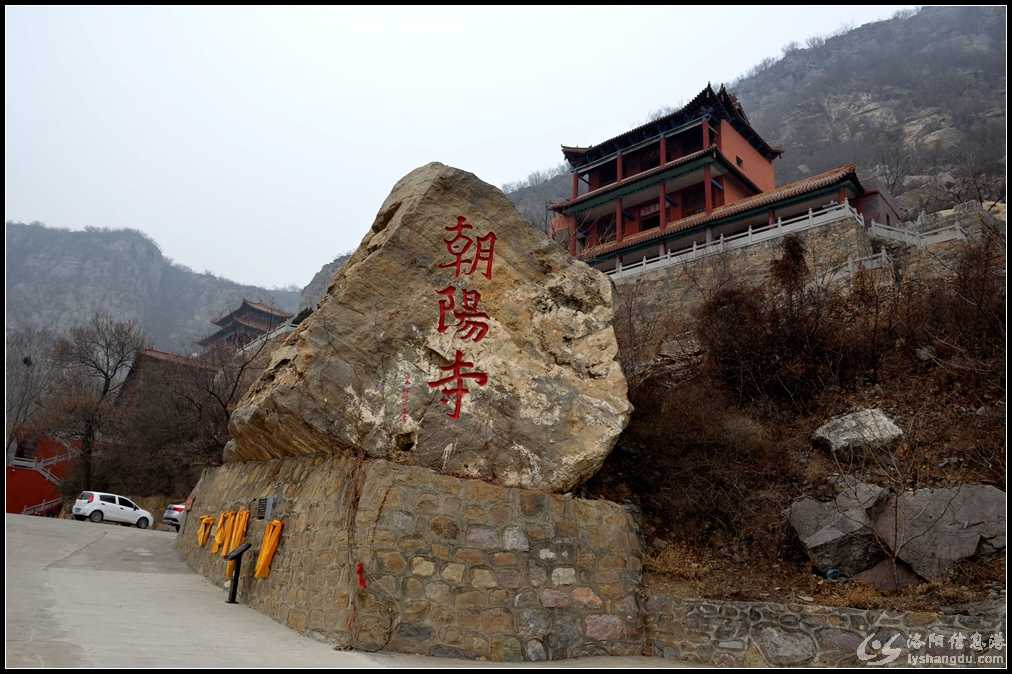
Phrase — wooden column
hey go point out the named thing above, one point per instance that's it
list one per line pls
(707, 189)
(572, 235)
(619, 218)
(576, 185)
(706, 132)
(664, 150)
(772, 217)
(618, 167)
(664, 205)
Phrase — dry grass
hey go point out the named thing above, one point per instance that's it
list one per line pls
(713, 457)
(680, 561)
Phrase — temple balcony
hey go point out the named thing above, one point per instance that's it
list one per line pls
(627, 164)
(697, 184)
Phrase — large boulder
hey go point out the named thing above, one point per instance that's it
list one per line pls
(932, 529)
(450, 280)
(889, 575)
(838, 534)
(864, 429)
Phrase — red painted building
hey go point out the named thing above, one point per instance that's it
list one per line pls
(34, 473)
(687, 179)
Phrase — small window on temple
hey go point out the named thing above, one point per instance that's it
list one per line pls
(739, 162)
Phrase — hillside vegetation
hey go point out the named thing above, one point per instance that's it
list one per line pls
(58, 279)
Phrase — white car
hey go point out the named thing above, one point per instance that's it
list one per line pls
(99, 507)
(174, 515)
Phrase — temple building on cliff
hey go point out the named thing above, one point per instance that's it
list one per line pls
(244, 324)
(695, 181)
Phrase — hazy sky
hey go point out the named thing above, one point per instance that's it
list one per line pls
(259, 143)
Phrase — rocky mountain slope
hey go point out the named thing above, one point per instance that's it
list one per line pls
(317, 287)
(912, 100)
(57, 278)
(931, 85)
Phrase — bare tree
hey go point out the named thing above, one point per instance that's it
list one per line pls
(93, 360)
(221, 383)
(977, 180)
(640, 328)
(894, 163)
(28, 375)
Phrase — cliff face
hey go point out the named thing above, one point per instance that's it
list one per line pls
(317, 287)
(920, 97)
(58, 278)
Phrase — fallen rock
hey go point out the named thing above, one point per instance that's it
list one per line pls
(888, 577)
(450, 280)
(852, 494)
(932, 529)
(864, 429)
(838, 534)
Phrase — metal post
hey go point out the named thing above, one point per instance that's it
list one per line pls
(236, 556)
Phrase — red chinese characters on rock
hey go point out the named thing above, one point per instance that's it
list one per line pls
(471, 323)
(467, 320)
(461, 244)
(456, 390)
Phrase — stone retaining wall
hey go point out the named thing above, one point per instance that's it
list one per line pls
(662, 302)
(773, 634)
(452, 567)
(463, 568)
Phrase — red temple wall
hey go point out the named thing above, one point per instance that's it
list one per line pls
(25, 487)
(874, 206)
(734, 189)
(758, 169)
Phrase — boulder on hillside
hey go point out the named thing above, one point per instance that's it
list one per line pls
(932, 529)
(889, 575)
(864, 429)
(838, 534)
(456, 337)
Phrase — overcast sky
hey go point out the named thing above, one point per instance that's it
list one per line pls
(259, 143)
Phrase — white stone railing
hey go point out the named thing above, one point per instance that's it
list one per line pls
(912, 237)
(41, 507)
(810, 220)
(41, 465)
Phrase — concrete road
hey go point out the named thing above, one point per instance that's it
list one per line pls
(97, 595)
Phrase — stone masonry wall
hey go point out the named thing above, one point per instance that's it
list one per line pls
(662, 302)
(772, 634)
(452, 567)
(463, 568)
